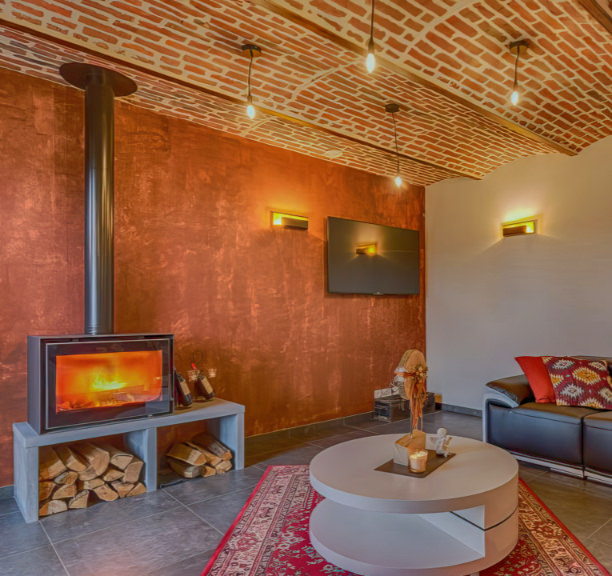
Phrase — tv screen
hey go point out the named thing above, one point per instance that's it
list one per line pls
(365, 258)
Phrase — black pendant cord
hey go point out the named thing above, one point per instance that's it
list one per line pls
(371, 42)
(396, 148)
(249, 78)
(516, 63)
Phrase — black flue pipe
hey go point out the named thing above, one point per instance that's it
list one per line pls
(101, 86)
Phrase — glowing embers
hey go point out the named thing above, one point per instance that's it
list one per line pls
(85, 381)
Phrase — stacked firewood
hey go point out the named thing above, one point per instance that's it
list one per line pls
(202, 456)
(78, 475)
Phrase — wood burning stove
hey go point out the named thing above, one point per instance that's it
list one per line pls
(87, 379)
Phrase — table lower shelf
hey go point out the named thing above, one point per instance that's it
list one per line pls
(389, 544)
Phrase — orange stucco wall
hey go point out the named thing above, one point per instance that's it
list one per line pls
(195, 256)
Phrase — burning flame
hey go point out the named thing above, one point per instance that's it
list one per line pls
(101, 385)
(107, 379)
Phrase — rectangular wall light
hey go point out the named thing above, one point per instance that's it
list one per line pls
(370, 249)
(520, 227)
(282, 220)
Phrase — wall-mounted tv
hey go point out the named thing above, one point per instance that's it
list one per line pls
(365, 258)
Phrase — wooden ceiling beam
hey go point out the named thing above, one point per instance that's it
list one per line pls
(403, 71)
(597, 11)
(226, 97)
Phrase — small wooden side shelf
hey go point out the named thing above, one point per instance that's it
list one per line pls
(224, 419)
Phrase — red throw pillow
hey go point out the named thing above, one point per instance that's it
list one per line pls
(538, 377)
(579, 382)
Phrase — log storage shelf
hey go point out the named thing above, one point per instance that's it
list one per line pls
(224, 420)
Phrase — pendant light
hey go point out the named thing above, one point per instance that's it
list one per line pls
(251, 51)
(519, 47)
(371, 58)
(392, 108)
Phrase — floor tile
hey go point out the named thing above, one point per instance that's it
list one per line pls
(8, 506)
(200, 489)
(138, 547)
(191, 566)
(17, 536)
(103, 515)
(38, 562)
(301, 455)
(221, 512)
(344, 437)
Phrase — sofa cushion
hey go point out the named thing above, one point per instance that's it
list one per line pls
(597, 432)
(544, 431)
(514, 387)
(538, 376)
(580, 382)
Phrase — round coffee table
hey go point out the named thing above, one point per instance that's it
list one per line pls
(460, 519)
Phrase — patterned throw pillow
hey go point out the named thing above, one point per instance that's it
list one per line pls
(579, 382)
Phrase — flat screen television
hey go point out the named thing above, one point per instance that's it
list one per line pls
(365, 258)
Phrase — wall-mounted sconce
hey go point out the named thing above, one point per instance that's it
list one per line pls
(370, 249)
(281, 220)
(520, 227)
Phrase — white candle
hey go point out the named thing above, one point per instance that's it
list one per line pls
(418, 461)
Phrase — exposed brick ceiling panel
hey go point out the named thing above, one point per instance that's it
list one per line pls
(445, 62)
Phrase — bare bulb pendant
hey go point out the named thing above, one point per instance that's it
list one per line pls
(515, 97)
(398, 181)
(370, 62)
(250, 110)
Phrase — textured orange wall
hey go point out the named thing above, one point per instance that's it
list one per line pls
(195, 256)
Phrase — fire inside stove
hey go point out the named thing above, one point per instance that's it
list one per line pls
(85, 381)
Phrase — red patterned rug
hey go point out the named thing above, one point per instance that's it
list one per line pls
(270, 536)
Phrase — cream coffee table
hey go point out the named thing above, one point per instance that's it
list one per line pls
(460, 519)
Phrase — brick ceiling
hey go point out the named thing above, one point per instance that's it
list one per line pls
(445, 62)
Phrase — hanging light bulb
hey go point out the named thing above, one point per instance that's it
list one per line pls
(251, 51)
(520, 46)
(392, 108)
(371, 58)
(250, 109)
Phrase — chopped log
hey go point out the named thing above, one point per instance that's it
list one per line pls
(140, 488)
(50, 465)
(71, 459)
(213, 445)
(132, 471)
(88, 474)
(65, 491)
(210, 457)
(106, 493)
(122, 488)
(97, 457)
(187, 454)
(208, 471)
(81, 500)
(112, 474)
(223, 467)
(52, 507)
(45, 489)
(118, 458)
(185, 470)
(68, 477)
(89, 484)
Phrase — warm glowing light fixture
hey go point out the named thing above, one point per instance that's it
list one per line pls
(251, 51)
(369, 248)
(371, 58)
(520, 227)
(519, 47)
(282, 220)
(392, 108)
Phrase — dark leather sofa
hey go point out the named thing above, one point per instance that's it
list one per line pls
(568, 439)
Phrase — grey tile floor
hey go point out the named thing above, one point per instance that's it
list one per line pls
(174, 531)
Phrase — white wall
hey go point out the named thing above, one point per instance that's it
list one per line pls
(491, 299)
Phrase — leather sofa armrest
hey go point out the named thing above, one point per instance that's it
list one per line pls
(516, 388)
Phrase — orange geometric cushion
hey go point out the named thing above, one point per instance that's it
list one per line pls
(538, 377)
(578, 382)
